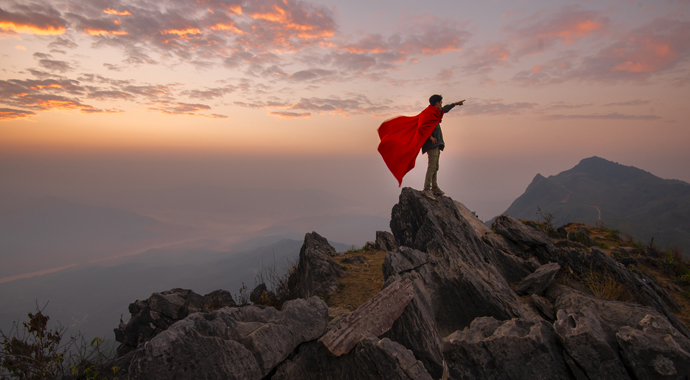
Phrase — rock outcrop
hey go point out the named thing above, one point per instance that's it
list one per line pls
(317, 273)
(230, 343)
(160, 311)
(385, 241)
(460, 301)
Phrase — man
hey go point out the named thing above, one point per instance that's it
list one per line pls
(433, 147)
(403, 137)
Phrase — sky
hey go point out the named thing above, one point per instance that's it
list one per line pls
(305, 85)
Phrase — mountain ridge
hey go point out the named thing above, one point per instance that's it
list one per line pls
(621, 197)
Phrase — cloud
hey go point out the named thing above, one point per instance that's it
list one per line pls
(484, 58)
(290, 115)
(336, 105)
(653, 48)
(495, 107)
(98, 94)
(561, 26)
(610, 116)
(423, 36)
(60, 42)
(209, 93)
(636, 56)
(187, 109)
(53, 65)
(11, 114)
(32, 18)
(637, 102)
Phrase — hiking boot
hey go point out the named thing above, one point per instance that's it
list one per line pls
(438, 191)
(428, 194)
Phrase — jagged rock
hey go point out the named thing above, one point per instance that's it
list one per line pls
(530, 241)
(583, 263)
(256, 294)
(374, 317)
(616, 313)
(655, 350)
(460, 282)
(404, 260)
(152, 316)
(317, 273)
(514, 349)
(371, 359)
(357, 259)
(538, 281)
(369, 246)
(463, 278)
(544, 306)
(385, 241)
(589, 342)
(230, 343)
(416, 329)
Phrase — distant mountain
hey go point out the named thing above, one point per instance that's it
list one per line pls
(622, 197)
(50, 232)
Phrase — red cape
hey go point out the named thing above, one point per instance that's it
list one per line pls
(403, 137)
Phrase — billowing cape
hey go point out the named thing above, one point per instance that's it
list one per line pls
(403, 137)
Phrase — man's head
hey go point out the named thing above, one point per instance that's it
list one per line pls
(436, 100)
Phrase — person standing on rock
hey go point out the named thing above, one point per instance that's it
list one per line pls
(433, 147)
(403, 137)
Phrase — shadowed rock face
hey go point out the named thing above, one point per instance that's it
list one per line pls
(317, 273)
(231, 343)
(154, 315)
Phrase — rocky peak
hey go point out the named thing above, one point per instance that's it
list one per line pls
(449, 309)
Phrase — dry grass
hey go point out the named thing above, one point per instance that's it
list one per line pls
(363, 283)
(604, 286)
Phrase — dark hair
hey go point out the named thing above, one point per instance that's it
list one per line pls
(435, 99)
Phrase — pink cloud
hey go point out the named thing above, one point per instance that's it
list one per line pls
(660, 46)
(546, 29)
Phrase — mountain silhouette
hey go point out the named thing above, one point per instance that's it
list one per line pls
(626, 198)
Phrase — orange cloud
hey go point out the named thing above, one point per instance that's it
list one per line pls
(117, 13)
(47, 30)
(12, 114)
(100, 32)
(182, 32)
(20, 47)
(229, 27)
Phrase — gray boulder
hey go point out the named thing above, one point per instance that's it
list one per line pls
(230, 343)
(525, 241)
(374, 317)
(514, 349)
(538, 281)
(385, 241)
(317, 273)
(154, 315)
(371, 359)
(654, 349)
(589, 342)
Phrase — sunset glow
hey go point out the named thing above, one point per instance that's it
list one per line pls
(289, 70)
